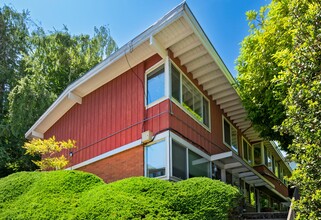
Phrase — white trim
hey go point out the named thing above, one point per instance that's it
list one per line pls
(74, 97)
(107, 154)
(36, 134)
(221, 156)
(157, 46)
(167, 77)
(156, 102)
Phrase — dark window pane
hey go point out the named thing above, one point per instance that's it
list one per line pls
(245, 149)
(227, 133)
(265, 156)
(179, 160)
(197, 166)
(257, 154)
(176, 82)
(155, 85)
(156, 159)
(206, 118)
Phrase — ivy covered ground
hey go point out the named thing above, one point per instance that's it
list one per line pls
(79, 195)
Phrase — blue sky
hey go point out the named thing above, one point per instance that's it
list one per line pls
(223, 21)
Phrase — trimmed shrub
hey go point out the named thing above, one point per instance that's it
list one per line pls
(79, 195)
(204, 198)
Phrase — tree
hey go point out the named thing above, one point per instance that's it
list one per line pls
(302, 75)
(48, 150)
(63, 58)
(257, 67)
(13, 44)
(297, 72)
(27, 101)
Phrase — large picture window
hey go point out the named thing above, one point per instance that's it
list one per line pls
(188, 96)
(155, 85)
(230, 135)
(155, 159)
(186, 163)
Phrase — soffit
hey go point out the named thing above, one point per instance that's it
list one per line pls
(187, 41)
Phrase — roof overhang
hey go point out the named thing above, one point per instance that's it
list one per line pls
(238, 167)
(235, 165)
(179, 32)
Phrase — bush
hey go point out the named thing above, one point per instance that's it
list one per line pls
(79, 195)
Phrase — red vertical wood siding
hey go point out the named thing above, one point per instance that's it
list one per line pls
(109, 117)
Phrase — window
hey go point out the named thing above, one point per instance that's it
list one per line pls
(257, 154)
(179, 160)
(196, 166)
(269, 160)
(155, 85)
(155, 159)
(273, 164)
(247, 151)
(176, 82)
(187, 95)
(277, 170)
(230, 135)
(265, 156)
(186, 163)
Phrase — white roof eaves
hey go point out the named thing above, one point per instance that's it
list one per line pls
(131, 45)
(211, 49)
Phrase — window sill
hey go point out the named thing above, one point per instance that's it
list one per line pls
(191, 115)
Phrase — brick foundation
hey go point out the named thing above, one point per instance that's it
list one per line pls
(125, 164)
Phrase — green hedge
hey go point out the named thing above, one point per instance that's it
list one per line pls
(79, 195)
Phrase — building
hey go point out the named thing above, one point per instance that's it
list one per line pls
(164, 106)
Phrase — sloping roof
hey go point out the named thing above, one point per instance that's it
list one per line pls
(179, 32)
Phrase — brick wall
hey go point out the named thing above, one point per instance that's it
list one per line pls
(125, 164)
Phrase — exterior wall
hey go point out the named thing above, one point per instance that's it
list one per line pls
(279, 186)
(111, 116)
(123, 165)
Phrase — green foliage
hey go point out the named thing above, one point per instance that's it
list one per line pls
(63, 58)
(257, 68)
(27, 101)
(78, 195)
(302, 75)
(48, 149)
(203, 198)
(13, 44)
(292, 71)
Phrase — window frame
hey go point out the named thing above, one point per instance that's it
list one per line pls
(223, 132)
(249, 151)
(188, 147)
(161, 137)
(151, 70)
(179, 102)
